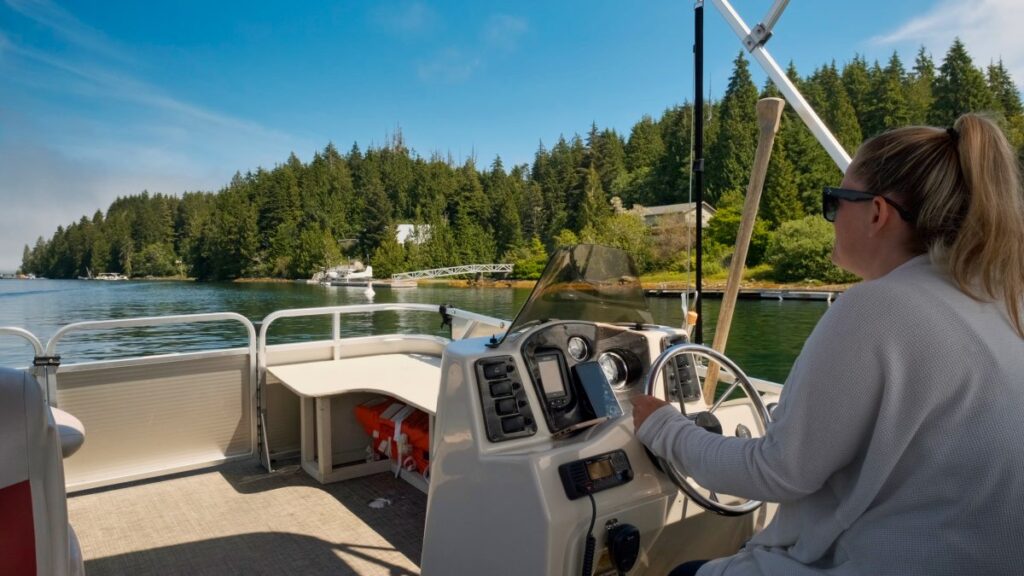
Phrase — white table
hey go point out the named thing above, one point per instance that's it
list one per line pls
(412, 378)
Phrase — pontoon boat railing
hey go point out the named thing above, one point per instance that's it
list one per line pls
(148, 321)
(37, 348)
(148, 416)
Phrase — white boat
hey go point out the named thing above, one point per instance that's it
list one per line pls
(362, 278)
(105, 276)
(110, 276)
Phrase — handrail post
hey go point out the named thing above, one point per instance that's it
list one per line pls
(336, 334)
(48, 365)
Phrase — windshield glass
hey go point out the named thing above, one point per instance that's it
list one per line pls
(586, 282)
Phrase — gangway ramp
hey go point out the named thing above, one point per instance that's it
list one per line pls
(453, 271)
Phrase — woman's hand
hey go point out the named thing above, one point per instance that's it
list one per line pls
(644, 406)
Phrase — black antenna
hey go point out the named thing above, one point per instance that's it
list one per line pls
(698, 154)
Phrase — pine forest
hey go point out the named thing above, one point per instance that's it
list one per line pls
(298, 218)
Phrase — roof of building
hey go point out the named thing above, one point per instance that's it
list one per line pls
(683, 208)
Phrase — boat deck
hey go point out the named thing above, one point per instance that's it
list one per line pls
(237, 519)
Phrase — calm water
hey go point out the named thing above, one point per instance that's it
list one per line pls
(765, 338)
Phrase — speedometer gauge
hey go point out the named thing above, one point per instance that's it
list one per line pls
(614, 368)
(578, 348)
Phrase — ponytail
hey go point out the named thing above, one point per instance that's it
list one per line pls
(964, 185)
(986, 259)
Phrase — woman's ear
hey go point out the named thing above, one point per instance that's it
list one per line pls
(880, 215)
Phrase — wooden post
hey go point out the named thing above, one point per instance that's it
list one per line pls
(769, 115)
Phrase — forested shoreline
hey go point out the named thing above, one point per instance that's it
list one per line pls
(297, 218)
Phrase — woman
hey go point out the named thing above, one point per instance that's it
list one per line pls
(897, 446)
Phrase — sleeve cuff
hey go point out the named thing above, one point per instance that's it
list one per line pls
(648, 431)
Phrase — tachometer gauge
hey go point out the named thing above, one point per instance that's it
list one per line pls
(614, 368)
(578, 349)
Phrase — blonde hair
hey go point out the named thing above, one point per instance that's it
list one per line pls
(964, 186)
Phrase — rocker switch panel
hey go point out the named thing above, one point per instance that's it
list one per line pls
(506, 410)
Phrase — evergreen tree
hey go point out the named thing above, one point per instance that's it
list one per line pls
(919, 88)
(1004, 91)
(730, 157)
(829, 98)
(611, 151)
(644, 147)
(959, 87)
(780, 200)
(888, 101)
(672, 173)
(594, 208)
(815, 168)
(388, 258)
(378, 224)
(858, 88)
(27, 266)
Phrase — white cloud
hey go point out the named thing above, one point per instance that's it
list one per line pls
(68, 27)
(503, 31)
(408, 17)
(449, 65)
(989, 28)
(500, 34)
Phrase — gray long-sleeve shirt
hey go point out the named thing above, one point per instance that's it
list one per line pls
(897, 445)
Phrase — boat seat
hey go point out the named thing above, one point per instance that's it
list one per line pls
(35, 537)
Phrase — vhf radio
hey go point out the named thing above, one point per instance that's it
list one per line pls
(595, 474)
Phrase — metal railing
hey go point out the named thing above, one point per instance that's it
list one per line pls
(145, 321)
(453, 271)
(37, 370)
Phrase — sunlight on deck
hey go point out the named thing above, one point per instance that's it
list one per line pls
(235, 519)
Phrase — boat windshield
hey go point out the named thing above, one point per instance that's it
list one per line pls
(586, 282)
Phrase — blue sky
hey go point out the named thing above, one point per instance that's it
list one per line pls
(101, 99)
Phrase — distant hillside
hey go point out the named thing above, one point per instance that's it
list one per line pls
(294, 219)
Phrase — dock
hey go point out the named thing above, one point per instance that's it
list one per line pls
(752, 294)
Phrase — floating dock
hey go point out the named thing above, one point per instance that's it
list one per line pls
(753, 294)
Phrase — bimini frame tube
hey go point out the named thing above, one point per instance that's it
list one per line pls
(698, 159)
(754, 42)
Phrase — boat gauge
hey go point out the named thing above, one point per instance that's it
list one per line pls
(578, 348)
(614, 368)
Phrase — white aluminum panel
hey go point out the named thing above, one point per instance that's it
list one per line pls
(147, 420)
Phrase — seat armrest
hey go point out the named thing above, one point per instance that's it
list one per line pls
(71, 430)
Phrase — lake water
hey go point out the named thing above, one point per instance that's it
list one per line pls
(765, 338)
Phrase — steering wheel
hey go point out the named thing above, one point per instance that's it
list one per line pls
(707, 420)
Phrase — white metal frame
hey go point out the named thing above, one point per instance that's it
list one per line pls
(754, 42)
(37, 347)
(51, 350)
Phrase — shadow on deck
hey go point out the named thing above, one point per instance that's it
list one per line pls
(236, 519)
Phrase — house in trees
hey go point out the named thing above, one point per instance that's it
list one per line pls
(415, 233)
(674, 215)
(673, 226)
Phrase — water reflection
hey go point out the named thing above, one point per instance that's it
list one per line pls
(765, 339)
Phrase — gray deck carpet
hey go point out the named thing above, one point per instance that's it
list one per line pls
(236, 519)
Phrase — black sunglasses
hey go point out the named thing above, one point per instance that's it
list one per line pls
(830, 198)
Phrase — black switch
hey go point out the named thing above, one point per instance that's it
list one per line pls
(506, 406)
(494, 370)
(503, 388)
(513, 424)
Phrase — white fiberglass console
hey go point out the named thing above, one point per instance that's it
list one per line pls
(533, 444)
